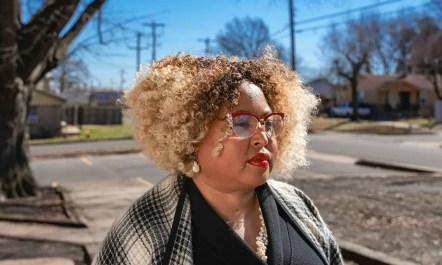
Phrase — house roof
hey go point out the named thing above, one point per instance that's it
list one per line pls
(84, 97)
(106, 96)
(371, 82)
(41, 97)
(80, 97)
(322, 87)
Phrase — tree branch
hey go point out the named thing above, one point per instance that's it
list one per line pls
(58, 49)
(41, 10)
(37, 37)
(340, 71)
(67, 39)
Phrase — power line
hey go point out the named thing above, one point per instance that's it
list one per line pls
(346, 12)
(121, 24)
(336, 14)
(314, 28)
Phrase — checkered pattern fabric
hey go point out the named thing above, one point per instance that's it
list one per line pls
(307, 216)
(141, 234)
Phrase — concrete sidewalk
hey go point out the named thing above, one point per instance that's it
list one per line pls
(98, 202)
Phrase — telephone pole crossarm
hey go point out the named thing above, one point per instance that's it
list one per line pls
(207, 42)
(153, 25)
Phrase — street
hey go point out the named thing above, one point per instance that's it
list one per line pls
(87, 168)
(330, 155)
(422, 150)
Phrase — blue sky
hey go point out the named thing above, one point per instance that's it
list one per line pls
(187, 21)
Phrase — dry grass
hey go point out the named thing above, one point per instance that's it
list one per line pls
(321, 123)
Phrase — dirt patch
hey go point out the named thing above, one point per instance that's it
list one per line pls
(51, 206)
(15, 248)
(400, 216)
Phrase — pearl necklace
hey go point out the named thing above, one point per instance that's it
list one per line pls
(261, 239)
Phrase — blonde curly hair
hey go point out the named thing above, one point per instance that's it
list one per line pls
(175, 100)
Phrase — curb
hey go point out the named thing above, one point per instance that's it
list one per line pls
(74, 220)
(91, 251)
(85, 248)
(70, 208)
(318, 131)
(82, 141)
(398, 166)
(366, 256)
(38, 261)
(84, 153)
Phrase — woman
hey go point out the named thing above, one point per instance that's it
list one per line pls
(221, 126)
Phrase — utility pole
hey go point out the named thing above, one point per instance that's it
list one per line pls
(153, 27)
(292, 36)
(138, 48)
(100, 35)
(207, 45)
(122, 80)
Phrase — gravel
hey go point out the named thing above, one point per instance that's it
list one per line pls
(398, 215)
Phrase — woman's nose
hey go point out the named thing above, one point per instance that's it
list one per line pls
(260, 138)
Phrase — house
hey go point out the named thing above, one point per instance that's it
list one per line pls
(409, 95)
(323, 89)
(92, 106)
(45, 114)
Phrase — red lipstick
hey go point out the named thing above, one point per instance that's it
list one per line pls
(260, 160)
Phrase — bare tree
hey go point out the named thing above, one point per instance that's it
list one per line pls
(401, 33)
(27, 52)
(392, 42)
(245, 37)
(349, 52)
(437, 6)
(71, 73)
(427, 57)
(427, 51)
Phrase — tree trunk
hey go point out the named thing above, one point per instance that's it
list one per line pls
(27, 53)
(438, 111)
(354, 99)
(16, 179)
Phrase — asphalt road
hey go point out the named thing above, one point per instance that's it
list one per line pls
(87, 168)
(413, 150)
(135, 166)
(330, 155)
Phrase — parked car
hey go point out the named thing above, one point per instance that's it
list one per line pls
(345, 109)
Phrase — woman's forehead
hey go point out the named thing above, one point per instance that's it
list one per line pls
(251, 98)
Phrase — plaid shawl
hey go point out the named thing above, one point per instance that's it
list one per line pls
(156, 229)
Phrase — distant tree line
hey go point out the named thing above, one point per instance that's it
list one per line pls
(405, 44)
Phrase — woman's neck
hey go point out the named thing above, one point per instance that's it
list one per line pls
(232, 206)
(239, 209)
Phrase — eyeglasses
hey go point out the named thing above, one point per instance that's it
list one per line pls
(244, 124)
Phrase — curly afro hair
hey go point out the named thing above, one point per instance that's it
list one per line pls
(174, 101)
